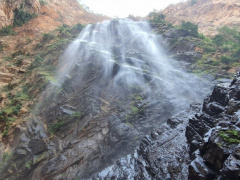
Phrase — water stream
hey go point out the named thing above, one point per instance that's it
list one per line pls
(115, 85)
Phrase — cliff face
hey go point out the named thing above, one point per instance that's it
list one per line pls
(208, 14)
(19, 51)
(196, 147)
(51, 14)
(7, 8)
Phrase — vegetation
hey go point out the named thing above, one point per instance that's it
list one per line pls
(63, 120)
(1, 47)
(42, 2)
(156, 18)
(28, 164)
(48, 36)
(21, 17)
(7, 31)
(230, 136)
(37, 62)
(190, 28)
(6, 157)
(193, 2)
(56, 126)
(12, 109)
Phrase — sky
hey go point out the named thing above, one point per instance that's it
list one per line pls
(124, 8)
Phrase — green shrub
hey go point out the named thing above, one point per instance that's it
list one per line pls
(47, 37)
(226, 48)
(237, 54)
(156, 18)
(215, 63)
(218, 40)
(230, 136)
(16, 109)
(226, 59)
(209, 49)
(5, 132)
(189, 27)
(37, 62)
(1, 47)
(19, 62)
(56, 127)
(201, 36)
(42, 2)
(21, 17)
(7, 31)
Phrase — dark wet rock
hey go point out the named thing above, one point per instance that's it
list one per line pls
(205, 147)
(37, 146)
(215, 140)
(161, 155)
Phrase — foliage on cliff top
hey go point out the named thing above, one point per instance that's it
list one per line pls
(219, 53)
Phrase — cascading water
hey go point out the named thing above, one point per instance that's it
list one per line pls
(116, 74)
(116, 84)
(127, 52)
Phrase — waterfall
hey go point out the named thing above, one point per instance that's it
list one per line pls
(129, 53)
(115, 85)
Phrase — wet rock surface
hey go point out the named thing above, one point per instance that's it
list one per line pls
(214, 136)
(161, 155)
(100, 111)
(192, 145)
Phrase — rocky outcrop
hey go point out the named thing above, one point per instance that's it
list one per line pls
(214, 135)
(161, 155)
(180, 45)
(207, 14)
(100, 112)
(204, 147)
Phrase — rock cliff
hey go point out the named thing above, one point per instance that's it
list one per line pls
(207, 14)
(194, 145)
(51, 13)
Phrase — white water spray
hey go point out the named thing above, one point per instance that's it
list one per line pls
(128, 52)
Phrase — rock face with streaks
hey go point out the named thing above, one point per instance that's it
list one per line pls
(214, 135)
(161, 155)
(115, 85)
(204, 147)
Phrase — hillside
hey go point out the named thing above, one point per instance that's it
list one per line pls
(30, 31)
(207, 14)
(48, 16)
(72, 105)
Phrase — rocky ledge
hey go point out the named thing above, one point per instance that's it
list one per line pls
(198, 144)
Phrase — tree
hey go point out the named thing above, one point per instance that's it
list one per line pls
(218, 40)
(156, 18)
(189, 27)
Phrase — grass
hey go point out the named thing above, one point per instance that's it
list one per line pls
(63, 120)
(56, 127)
(28, 164)
(42, 68)
(6, 157)
(58, 44)
(230, 136)
(135, 110)
(129, 124)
